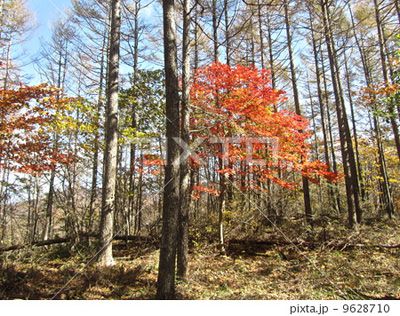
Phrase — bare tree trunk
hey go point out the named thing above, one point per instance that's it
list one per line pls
(95, 163)
(131, 204)
(330, 130)
(387, 200)
(260, 32)
(196, 38)
(354, 211)
(385, 74)
(353, 120)
(3, 205)
(271, 52)
(7, 66)
(139, 199)
(333, 199)
(227, 36)
(105, 257)
(166, 270)
(221, 209)
(306, 189)
(397, 6)
(183, 225)
(35, 216)
(215, 29)
(47, 232)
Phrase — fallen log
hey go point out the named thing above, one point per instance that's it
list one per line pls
(121, 237)
(36, 243)
(56, 241)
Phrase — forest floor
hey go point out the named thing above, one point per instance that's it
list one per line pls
(276, 272)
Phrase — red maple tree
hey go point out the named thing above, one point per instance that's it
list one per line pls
(240, 102)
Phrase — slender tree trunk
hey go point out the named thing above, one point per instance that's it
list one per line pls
(306, 189)
(166, 270)
(260, 32)
(47, 232)
(330, 130)
(183, 228)
(353, 120)
(3, 204)
(95, 163)
(131, 199)
(387, 200)
(35, 216)
(332, 198)
(27, 237)
(215, 29)
(314, 123)
(227, 36)
(7, 66)
(105, 257)
(385, 74)
(271, 52)
(397, 6)
(354, 211)
(139, 199)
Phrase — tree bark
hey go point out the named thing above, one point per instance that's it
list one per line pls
(353, 120)
(95, 162)
(333, 199)
(306, 187)
(385, 74)
(352, 189)
(183, 228)
(260, 32)
(132, 155)
(166, 270)
(105, 257)
(387, 200)
(47, 232)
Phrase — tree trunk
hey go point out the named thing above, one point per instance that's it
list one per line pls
(330, 130)
(131, 199)
(333, 200)
(105, 257)
(139, 199)
(183, 228)
(95, 162)
(354, 210)
(215, 29)
(47, 232)
(353, 120)
(260, 32)
(271, 52)
(387, 200)
(385, 74)
(306, 188)
(227, 36)
(166, 270)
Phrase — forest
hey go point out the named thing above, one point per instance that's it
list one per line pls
(200, 149)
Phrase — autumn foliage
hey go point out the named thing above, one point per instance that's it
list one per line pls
(240, 102)
(27, 118)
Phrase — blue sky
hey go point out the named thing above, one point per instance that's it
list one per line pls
(45, 12)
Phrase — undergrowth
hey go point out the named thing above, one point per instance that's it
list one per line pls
(279, 272)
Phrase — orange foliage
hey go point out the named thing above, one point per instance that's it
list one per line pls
(26, 115)
(198, 189)
(231, 101)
